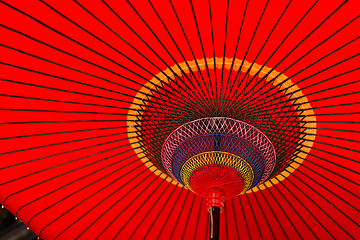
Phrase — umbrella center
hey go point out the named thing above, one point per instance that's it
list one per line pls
(180, 95)
(218, 153)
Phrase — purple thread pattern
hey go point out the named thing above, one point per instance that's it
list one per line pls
(219, 125)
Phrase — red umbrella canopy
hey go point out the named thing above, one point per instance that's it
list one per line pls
(90, 91)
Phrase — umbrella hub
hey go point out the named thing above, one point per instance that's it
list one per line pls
(173, 102)
(215, 198)
(218, 157)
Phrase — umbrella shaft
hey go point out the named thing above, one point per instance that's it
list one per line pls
(214, 223)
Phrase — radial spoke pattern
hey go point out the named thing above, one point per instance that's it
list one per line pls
(87, 86)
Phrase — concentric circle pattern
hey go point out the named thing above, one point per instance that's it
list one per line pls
(218, 159)
(219, 141)
(90, 91)
(216, 176)
(174, 108)
(219, 125)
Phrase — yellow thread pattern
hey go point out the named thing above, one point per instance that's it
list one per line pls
(217, 158)
(305, 110)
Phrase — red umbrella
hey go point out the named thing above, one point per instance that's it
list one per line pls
(91, 90)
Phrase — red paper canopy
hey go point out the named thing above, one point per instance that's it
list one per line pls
(71, 72)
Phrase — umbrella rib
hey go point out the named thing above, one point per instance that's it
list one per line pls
(332, 137)
(235, 221)
(288, 118)
(144, 202)
(62, 15)
(156, 98)
(270, 107)
(302, 70)
(264, 215)
(330, 15)
(207, 226)
(226, 223)
(147, 25)
(332, 35)
(162, 208)
(237, 76)
(201, 43)
(177, 219)
(62, 101)
(307, 210)
(198, 218)
(292, 207)
(266, 76)
(61, 111)
(213, 45)
(287, 217)
(323, 70)
(259, 52)
(253, 214)
(338, 196)
(72, 55)
(328, 79)
(137, 227)
(78, 204)
(54, 144)
(335, 129)
(325, 55)
(142, 220)
(64, 132)
(334, 154)
(236, 49)
(83, 130)
(58, 165)
(289, 98)
(341, 176)
(68, 80)
(73, 40)
(71, 171)
(79, 190)
(121, 93)
(247, 50)
(187, 40)
(187, 221)
(224, 54)
(71, 121)
(319, 107)
(316, 74)
(331, 182)
(125, 40)
(285, 40)
(76, 70)
(107, 210)
(321, 142)
(147, 111)
(36, 40)
(320, 207)
(278, 131)
(326, 98)
(171, 211)
(78, 219)
(337, 146)
(244, 216)
(175, 99)
(181, 53)
(58, 89)
(176, 76)
(311, 85)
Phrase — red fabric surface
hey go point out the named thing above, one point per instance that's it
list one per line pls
(298, 207)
